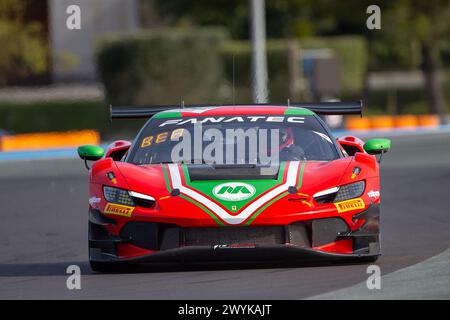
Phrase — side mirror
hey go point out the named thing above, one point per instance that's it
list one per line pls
(377, 146)
(91, 153)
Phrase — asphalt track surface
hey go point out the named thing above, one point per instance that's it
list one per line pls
(43, 229)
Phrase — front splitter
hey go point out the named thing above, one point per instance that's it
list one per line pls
(203, 254)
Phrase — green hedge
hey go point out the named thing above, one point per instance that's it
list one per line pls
(394, 55)
(49, 116)
(277, 60)
(399, 54)
(352, 52)
(52, 116)
(161, 67)
(445, 54)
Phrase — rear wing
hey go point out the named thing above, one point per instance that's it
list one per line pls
(321, 108)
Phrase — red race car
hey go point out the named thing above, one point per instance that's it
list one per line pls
(242, 182)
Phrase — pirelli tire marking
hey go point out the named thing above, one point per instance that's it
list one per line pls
(349, 205)
(118, 210)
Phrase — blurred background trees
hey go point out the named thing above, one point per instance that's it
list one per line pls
(429, 25)
(162, 51)
(24, 49)
(415, 34)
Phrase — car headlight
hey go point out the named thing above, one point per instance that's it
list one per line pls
(350, 191)
(128, 198)
(119, 196)
(142, 200)
(326, 196)
(342, 193)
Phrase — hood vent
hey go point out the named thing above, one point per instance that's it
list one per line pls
(200, 172)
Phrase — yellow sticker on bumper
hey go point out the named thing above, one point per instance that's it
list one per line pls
(349, 205)
(118, 210)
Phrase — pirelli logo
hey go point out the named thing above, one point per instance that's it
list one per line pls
(118, 210)
(349, 205)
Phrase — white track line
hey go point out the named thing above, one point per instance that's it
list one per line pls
(429, 279)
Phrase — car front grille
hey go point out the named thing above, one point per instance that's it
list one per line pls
(160, 236)
(257, 235)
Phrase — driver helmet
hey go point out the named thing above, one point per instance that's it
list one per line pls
(286, 138)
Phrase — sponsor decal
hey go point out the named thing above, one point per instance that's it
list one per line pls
(234, 191)
(253, 209)
(234, 246)
(94, 200)
(118, 210)
(247, 119)
(373, 194)
(349, 205)
(162, 137)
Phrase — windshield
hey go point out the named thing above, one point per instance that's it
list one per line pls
(259, 139)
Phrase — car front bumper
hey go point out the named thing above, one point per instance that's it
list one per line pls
(313, 240)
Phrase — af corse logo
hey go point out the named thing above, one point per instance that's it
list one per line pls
(234, 191)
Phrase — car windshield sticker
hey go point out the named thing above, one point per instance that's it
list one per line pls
(162, 137)
(246, 119)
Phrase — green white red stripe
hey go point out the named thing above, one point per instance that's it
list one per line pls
(291, 179)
